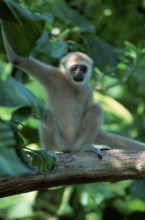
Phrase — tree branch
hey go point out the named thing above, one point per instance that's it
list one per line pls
(80, 168)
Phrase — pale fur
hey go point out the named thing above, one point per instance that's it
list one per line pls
(72, 121)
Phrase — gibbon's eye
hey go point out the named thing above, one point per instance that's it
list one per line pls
(83, 68)
(74, 68)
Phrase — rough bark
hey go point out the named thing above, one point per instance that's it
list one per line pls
(80, 168)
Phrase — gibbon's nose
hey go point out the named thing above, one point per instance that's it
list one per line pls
(79, 77)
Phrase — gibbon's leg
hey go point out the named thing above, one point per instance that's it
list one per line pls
(89, 129)
(50, 135)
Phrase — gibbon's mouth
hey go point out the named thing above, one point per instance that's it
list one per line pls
(78, 78)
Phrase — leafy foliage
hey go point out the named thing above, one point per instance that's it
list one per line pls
(42, 160)
(112, 33)
(22, 23)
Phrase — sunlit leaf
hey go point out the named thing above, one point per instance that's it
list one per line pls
(115, 107)
(43, 160)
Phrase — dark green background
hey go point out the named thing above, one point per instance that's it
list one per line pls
(113, 34)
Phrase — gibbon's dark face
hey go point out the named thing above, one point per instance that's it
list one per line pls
(78, 72)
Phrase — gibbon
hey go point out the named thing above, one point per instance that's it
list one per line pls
(72, 121)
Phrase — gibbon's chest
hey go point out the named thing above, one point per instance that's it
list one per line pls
(67, 102)
(62, 96)
(68, 106)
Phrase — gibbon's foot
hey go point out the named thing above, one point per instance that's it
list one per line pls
(98, 148)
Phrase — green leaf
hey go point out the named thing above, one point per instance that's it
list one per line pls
(37, 161)
(129, 205)
(7, 138)
(10, 164)
(102, 53)
(14, 94)
(48, 17)
(22, 113)
(82, 22)
(25, 159)
(43, 160)
(21, 25)
(58, 48)
(61, 10)
(47, 161)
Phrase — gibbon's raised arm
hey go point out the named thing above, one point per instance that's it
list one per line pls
(36, 68)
